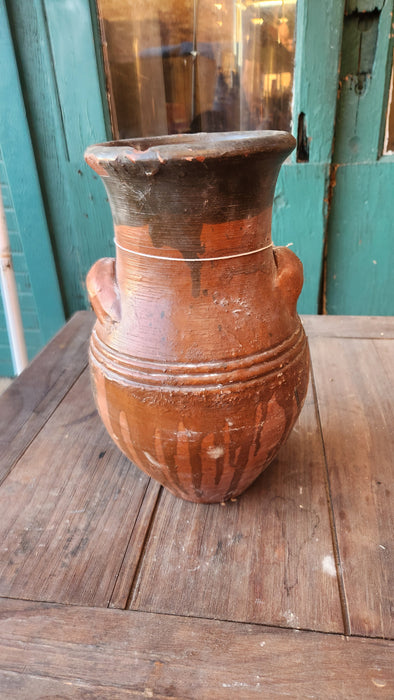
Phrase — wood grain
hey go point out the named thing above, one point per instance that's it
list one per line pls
(354, 380)
(114, 653)
(80, 525)
(266, 558)
(349, 326)
(35, 394)
(135, 547)
(68, 509)
(24, 686)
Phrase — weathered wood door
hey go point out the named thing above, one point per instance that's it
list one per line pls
(300, 207)
(332, 202)
(359, 276)
(337, 206)
(33, 260)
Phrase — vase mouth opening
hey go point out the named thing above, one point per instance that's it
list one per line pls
(190, 147)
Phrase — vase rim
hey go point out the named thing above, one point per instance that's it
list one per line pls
(190, 147)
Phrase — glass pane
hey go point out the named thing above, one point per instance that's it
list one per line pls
(389, 139)
(175, 66)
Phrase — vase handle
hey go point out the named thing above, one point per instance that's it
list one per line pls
(290, 276)
(103, 290)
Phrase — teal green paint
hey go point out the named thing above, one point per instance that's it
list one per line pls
(77, 89)
(66, 114)
(360, 233)
(28, 215)
(32, 337)
(360, 34)
(64, 93)
(35, 273)
(56, 53)
(29, 318)
(360, 261)
(300, 207)
(319, 35)
(298, 222)
(363, 90)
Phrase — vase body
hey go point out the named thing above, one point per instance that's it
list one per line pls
(199, 361)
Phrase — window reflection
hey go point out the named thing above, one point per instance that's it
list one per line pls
(198, 65)
(389, 139)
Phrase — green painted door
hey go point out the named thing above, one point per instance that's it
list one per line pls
(141, 46)
(332, 202)
(359, 271)
(33, 260)
(301, 200)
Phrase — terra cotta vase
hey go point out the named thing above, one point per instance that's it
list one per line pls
(198, 358)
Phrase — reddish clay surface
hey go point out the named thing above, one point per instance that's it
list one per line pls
(199, 360)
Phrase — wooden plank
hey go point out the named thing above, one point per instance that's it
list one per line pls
(68, 509)
(35, 394)
(266, 558)
(349, 326)
(160, 656)
(355, 398)
(135, 547)
(24, 686)
(385, 352)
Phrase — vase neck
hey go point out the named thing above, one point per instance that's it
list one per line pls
(188, 240)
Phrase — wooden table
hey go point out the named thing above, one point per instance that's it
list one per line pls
(112, 588)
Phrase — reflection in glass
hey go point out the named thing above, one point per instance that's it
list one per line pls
(178, 66)
(389, 139)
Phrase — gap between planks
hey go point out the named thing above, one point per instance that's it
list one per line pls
(122, 593)
(335, 544)
(209, 619)
(353, 381)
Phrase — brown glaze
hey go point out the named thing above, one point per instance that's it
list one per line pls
(198, 358)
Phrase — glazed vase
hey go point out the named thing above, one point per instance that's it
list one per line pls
(199, 361)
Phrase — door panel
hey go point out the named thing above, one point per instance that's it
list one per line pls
(154, 75)
(56, 54)
(301, 198)
(360, 257)
(36, 278)
(299, 219)
(320, 207)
